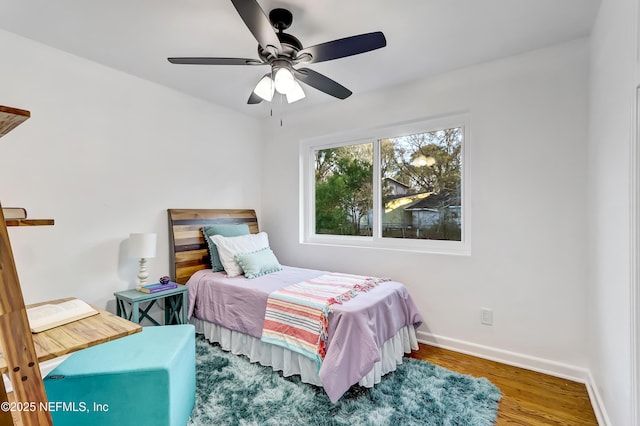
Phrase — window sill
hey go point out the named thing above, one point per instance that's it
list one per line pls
(452, 248)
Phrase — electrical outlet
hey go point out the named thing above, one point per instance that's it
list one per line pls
(486, 316)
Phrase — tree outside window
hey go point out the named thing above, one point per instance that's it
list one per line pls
(421, 185)
(344, 195)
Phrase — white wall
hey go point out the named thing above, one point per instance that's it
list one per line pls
(528, 173)
(612, 92)
(105, 154)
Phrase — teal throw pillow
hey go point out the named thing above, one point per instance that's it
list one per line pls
(226, 230)
(258, 263)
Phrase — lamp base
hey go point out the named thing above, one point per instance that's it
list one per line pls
(143, 275)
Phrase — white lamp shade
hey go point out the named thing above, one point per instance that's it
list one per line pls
(265, 88)
(284, 81)
(142, 246)
(296, 93)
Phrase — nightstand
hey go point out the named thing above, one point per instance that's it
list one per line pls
(175, 305)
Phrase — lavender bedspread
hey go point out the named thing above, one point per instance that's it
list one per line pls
(356, 329)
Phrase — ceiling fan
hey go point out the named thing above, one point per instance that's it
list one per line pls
(282, 51)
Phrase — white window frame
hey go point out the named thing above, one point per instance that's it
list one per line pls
(307, 188)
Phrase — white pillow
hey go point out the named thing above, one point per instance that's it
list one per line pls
(228, 247)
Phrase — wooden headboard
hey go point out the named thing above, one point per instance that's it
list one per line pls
(188, 251)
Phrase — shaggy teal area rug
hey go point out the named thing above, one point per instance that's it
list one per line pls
(232, 391)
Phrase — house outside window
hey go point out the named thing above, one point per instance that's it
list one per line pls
(404, 188)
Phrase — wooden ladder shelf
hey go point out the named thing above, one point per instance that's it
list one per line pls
(15, 334)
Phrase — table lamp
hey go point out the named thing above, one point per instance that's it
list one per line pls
(143, 247)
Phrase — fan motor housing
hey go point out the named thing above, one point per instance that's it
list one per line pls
(290, 46)
(281, 19)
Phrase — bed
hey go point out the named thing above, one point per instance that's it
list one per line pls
(367, 336)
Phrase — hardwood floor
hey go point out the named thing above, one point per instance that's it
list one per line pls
(528, 398)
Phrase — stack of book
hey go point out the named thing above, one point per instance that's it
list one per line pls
(154, 288)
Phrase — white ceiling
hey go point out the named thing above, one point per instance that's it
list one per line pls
(424, 37)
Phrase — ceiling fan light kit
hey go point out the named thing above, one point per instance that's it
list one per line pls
(283, 82)
(282, 51)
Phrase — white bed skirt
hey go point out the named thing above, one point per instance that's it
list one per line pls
(291, 363)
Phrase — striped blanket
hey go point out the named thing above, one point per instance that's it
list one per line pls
(297, 315)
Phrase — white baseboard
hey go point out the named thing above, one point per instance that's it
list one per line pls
(597, 403)
(540, 365)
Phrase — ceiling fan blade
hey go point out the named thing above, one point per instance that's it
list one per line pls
(258, 23)
(254, 99)
(344, 47)
(322, 83)
(215, 61)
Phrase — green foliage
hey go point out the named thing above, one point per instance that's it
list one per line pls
(344, 193)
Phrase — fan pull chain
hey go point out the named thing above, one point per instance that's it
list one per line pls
(281, 109)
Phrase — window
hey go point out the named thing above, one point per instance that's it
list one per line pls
(405, 188)
(421, 185)
(344, 189)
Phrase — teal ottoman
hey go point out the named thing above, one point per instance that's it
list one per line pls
(147, 378)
